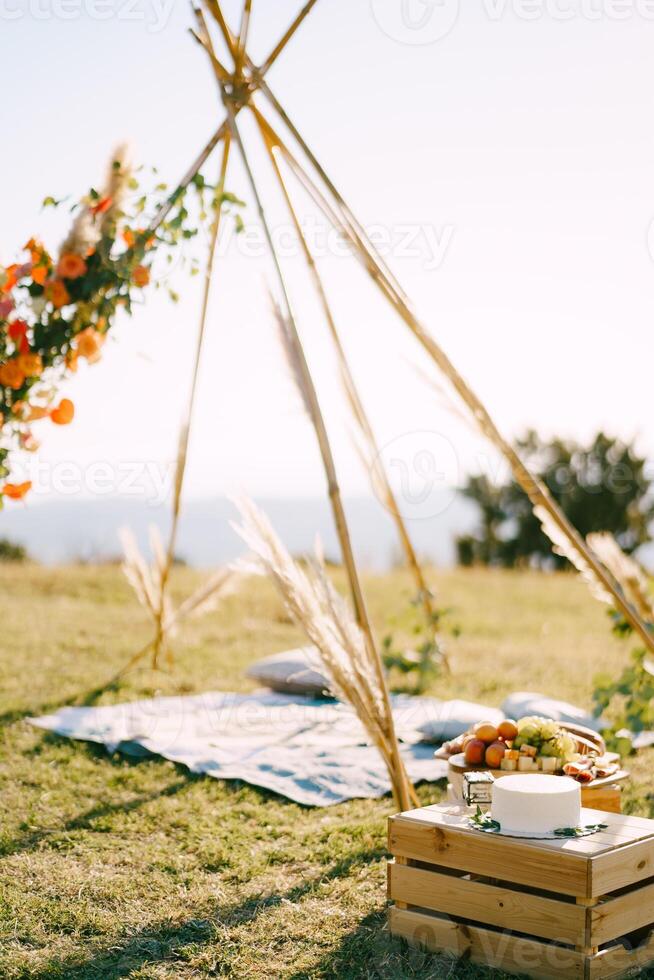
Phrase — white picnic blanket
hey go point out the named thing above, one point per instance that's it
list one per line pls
(314, 752)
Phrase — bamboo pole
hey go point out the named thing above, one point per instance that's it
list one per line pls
(242, 38)
(258, 78)
(374, 462)
(533, 486)
(186, 427)
(216, 11)
(401, 788)
(192, 172)
(356, 228)
(204, 155)
(204, 39)
(281, 44)
(336, 215)
(159, 642)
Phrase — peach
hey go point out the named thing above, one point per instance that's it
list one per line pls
(494, 754)
(508, 730)
(486, 732)
(475, 752)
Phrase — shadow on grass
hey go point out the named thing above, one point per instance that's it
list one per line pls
(369, 952)
(168, 942)
(84, 700)
(30, 840)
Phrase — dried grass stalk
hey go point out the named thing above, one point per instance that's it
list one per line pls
(149, 585)
(116, 188)
(138, 572)
(87, 229)
(626, 571)
(207, 597)
(402, 788)
(561, 546)
(328, 623)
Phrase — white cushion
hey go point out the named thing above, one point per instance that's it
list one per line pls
(523, 703)
(292, 672)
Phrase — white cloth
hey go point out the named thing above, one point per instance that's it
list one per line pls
(310, 751)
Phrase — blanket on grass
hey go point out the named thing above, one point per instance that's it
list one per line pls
(314, 752)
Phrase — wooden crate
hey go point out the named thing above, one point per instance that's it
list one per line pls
(574, 908)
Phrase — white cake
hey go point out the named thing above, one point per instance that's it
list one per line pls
(536, 803)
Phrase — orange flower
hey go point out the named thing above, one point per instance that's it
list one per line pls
(17, 491)
(35, 248)
(8, 278)
(129, 237)
(102, 206)
(40, 274)
(41, 262)
(57, 294)
(30, 364)
(89, 344)
(71, 266)
(64, 413)
(141, 276)
(36, 412)
(11, 375)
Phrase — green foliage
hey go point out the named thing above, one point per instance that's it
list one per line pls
(10, 552)
(421, 663)
(601, 487)
(630, 698)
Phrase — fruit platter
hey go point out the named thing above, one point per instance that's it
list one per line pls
(534, 744)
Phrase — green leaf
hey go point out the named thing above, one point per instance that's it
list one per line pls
(52, 202)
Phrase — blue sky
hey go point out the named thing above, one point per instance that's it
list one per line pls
(508, 165)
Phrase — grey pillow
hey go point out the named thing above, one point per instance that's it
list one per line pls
(292, 672)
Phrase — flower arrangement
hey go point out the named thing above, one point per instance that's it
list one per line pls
(57, 310)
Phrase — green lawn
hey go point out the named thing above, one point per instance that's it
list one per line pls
(110, 868)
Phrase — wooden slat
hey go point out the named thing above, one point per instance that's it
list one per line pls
(621, 866)
(499, 950)
(623, 914)
(640, 826)
(489, 904)
(609, 964)
(399, 861)
(562, 869)
(457, 818)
